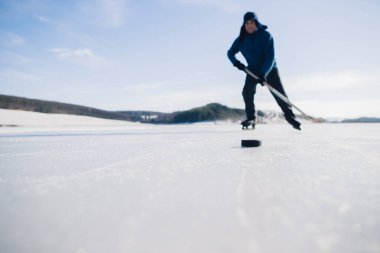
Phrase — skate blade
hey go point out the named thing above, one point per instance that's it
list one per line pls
(248, 128)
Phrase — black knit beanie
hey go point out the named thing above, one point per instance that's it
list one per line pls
(250, 16)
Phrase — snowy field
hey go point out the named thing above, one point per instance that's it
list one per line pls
(118, 187)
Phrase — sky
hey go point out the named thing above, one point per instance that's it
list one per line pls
(170, 55)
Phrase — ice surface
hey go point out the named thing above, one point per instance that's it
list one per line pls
(190, 188)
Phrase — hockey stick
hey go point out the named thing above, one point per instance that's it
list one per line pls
(282, 97)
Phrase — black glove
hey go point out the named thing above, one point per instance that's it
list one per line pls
(261, 78)
(239, 65)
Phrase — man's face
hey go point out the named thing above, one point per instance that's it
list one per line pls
(250, 26)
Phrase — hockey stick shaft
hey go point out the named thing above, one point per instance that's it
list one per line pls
(278, 94)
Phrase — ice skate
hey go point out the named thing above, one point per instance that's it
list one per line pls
(247, 123)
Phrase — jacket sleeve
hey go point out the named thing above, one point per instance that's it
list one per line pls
(233, 51)
(268, 56)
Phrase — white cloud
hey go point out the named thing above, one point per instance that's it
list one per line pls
(10, 57)
(114, 11)
(146, 87)
(84, 57)
(42, 19)
(342, 109)
(8, 38)
(108, 13)
(16, 76)
(225, 5)
(70, 30)
(167, 96)
(333, 81)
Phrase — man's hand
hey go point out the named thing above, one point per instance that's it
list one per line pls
(239, 65)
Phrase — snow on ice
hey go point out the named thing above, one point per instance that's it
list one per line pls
(125, 187)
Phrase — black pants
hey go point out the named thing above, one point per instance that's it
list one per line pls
(249, 91)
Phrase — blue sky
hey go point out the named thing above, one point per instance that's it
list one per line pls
(168, 55)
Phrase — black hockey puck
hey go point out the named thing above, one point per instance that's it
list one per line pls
(250, 143)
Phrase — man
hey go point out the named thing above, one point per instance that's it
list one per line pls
(256, 45)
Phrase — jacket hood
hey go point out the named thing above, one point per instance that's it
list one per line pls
(252, 16)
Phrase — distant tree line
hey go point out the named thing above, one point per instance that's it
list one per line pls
(36, 105)
(209, 112)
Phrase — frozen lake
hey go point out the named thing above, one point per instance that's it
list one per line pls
(190, 188)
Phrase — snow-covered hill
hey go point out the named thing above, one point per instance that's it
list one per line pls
(126, 187)
(14, 120)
